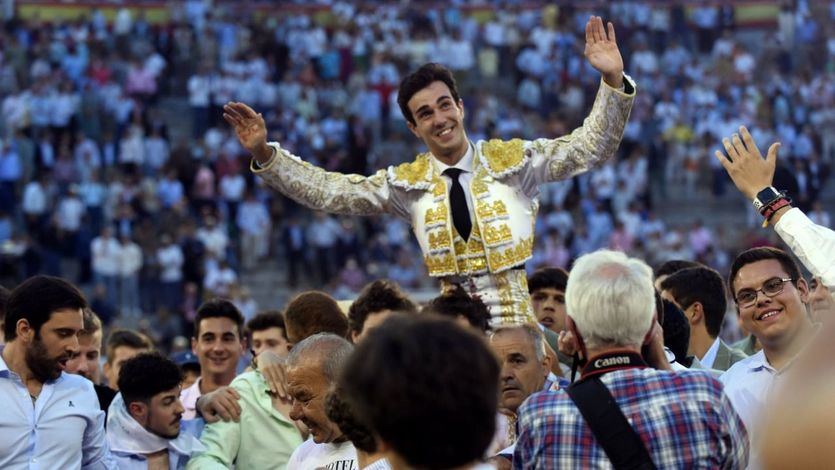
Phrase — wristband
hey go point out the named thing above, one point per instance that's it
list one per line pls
(772, 209)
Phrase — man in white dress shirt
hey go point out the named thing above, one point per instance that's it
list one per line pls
(50, 419)
(771, 296)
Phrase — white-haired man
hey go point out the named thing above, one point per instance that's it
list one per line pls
(610, 305)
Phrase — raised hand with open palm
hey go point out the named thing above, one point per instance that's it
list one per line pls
(250, 128)
(602, 51)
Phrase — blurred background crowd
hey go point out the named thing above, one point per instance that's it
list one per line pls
(118, 173)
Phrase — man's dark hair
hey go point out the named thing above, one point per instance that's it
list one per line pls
(219, 308)
(673, 266)
(457, 301)
(761, 254)
(127, 338)
(428, 388)
(703, 285)
(342, 415)
(92, 323)
(146, 375)
(375, 297)
(548, 278)
(676, 331)
(36, 299)
(314, 312)
(420, 79)
(266, 320)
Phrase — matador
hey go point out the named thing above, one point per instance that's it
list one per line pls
(471, 205)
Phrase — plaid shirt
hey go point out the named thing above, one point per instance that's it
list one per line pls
(684, 418)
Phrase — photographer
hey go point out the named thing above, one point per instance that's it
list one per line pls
(611, 313)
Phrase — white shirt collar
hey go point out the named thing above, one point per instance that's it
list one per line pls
(710, 356)
(759, 361)
(465, 164)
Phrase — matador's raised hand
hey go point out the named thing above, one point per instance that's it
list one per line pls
(250, 128)
(602, 51)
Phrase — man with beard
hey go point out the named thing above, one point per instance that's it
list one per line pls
(313, 366)
(86, 361)
(50, 419)
(143, 428)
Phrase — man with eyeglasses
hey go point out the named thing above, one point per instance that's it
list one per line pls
(771, 299)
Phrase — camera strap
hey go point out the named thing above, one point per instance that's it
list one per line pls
(604, 417)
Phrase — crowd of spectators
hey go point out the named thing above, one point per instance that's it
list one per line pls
(117, 171)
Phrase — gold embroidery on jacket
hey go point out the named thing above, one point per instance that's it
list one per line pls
(511, 256)
(494, 236)
(435, 216)
(487, 212)
(413, 175)
(503, 158)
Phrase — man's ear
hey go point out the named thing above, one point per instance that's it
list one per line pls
(194, 345)
(413, 128)
(578, 338)
(138, 410)
(697, 313)
(651, 332)
(547, 363)
(803, 290)
(24, 330)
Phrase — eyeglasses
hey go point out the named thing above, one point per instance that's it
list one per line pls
(771, 287)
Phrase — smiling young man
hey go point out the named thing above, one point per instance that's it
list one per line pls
(143, 426)
(471, 204)
(771, 297)
(261, 435)
(218, 343)
(50, 419)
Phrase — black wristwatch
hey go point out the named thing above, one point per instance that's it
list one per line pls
(766, 197)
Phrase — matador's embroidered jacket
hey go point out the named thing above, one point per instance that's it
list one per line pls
(504, 190)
